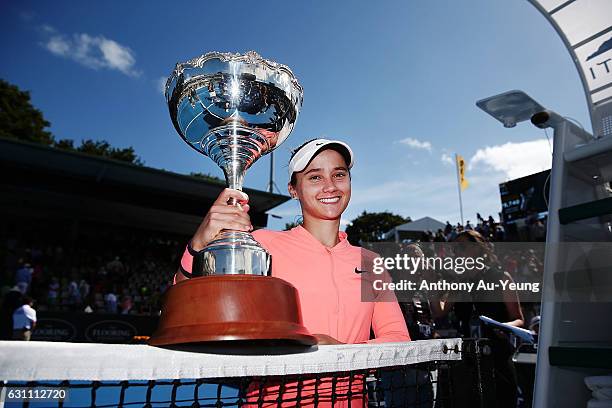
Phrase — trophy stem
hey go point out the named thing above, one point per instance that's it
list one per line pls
(234, 175)
(234, 148)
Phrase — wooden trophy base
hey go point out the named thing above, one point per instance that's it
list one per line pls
(231, 308)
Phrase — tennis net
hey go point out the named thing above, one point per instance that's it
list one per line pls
(414, 374)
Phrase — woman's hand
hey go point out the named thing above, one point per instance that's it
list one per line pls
(325, 340)
(223, 216)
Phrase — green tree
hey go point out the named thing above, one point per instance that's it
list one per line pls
(290, 225)
(126, 154)
(95, 147)
(207, 177)
(64, 144)
(104, 149)
(19, 119)
(370, 227)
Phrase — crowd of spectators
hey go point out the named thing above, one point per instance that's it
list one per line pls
(126, 277)
(530, 229)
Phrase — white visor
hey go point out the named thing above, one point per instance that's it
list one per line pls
(301, 159)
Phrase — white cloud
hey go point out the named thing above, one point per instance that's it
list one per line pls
(416, 144)
(447, 159)
(514, 159)
(93, 52)
(58, 46)
(117, 56)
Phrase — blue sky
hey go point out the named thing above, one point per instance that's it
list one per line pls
(397, 80)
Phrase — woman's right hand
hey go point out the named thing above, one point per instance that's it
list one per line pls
(223, 216)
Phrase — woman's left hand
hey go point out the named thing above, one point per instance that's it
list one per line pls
(325, 340)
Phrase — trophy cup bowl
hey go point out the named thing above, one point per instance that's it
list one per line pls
(234, 109)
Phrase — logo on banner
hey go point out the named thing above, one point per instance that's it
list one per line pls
(602, 67)
(110, 331)
(606, 46)
(54, 330)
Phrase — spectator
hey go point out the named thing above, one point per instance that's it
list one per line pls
(538, 231)
(126, 305)
(74, 296)
(439, 236)
(23, 278)
(83, 289)
(53, 292)
(111, 302)
(24, 320)
(448, 228)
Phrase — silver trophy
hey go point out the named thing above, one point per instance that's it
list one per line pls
(233, 108)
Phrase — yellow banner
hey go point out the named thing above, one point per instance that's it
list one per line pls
(461, 170)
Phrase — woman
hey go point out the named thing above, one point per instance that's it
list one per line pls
(318, 260)
(316, 256)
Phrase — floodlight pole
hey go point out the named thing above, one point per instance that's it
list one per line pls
(459, 186)
(271, 182)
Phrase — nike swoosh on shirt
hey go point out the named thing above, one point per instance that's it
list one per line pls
(358, 271)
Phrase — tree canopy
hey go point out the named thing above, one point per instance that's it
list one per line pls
(370, 227)
(20, 120)
(290, 225)
(207, 177)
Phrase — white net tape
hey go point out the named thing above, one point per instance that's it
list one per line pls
(37, 361)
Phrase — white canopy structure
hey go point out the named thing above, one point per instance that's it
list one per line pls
(585, 26)
(421, 225)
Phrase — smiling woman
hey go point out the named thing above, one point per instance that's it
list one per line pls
(316, 256)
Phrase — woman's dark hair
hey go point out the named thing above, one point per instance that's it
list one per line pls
(485, 246)
(335, 147)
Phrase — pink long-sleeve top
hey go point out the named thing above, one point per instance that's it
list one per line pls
(328, 286)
